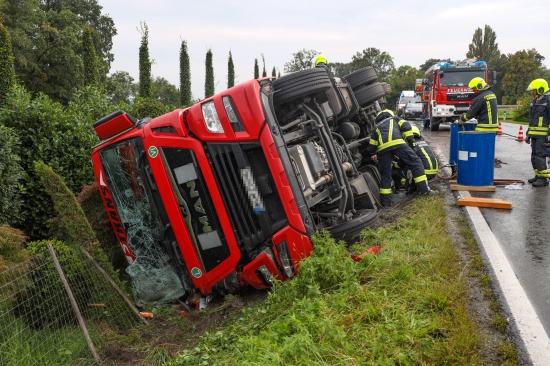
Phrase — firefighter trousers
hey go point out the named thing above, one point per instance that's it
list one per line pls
(410, 159)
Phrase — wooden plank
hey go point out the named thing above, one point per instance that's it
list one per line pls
(485, 202)
(497, 181)
(459, 187)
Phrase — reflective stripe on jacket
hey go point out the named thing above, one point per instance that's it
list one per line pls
(485, 109)
(388, 134)
(539, 117)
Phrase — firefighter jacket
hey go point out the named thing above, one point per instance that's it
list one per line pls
(539, 117)
(485, 109)
(388, 135)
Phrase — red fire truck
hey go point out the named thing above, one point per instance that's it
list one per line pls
(445, 91)
(228, 192)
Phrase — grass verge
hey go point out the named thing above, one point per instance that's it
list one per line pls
(407, 305)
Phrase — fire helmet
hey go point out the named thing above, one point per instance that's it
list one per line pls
(477, 83)
(320, 60)
(540, 85)
(383, 114)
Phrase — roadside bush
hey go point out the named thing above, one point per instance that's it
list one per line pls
(12, 247)
(11, 174)
(148, 107)
(61, 137)
(521, 114)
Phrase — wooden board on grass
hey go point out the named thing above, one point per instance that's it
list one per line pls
(485, 202)
(459, 187)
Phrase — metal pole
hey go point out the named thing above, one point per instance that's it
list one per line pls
(74, 304)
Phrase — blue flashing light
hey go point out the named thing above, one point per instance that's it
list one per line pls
(443, 64)
(480, 63)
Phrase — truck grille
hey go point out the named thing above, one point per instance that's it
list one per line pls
(251, 228)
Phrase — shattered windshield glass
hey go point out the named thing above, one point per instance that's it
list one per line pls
(125, 165)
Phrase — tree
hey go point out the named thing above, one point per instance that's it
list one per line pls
(264, 73)
(144, 63)
(47, 46)
(274, 72)
(381, 61)
(301, 60)
(209, 79)
(91, 75)
(185, 76)
(256, 69)
(7, 71)
(11, 174)
(523, 67)
(120, 88)
(165, 92)
(402, 78)
(230, 72)
(484, 46)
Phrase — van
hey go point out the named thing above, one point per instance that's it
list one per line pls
(407, 96)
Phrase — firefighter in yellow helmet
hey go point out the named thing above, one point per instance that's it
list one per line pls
(321, 61)
(538, 133)
(484, 106)
(387, 140)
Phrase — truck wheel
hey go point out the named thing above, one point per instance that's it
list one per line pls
(387, 88)
(300, 84)
(364, 76)
(434, 124)
(369, 93)
(349, 231)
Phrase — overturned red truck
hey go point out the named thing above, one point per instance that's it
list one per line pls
(228, 192)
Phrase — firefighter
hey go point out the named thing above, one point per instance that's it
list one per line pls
(386, 140)
(538, 133)
(321, 61)
(484, 106)
(426, 155)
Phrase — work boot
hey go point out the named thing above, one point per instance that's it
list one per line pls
(540, 182)
(532, 180)
(386, 200)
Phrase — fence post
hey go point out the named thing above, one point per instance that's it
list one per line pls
(74, 304)
(121, 293)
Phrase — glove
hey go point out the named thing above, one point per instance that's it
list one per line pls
(463, 118)
(527, 140)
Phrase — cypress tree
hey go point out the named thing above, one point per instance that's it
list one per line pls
(209, 82)
(264, 73)
(89, 59)
(256, 69)
(7, 71)
(185, 76)
(230, 72)
(145, 82)
(274, 72)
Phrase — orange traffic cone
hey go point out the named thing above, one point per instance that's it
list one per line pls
(520, 134)
(499, 132)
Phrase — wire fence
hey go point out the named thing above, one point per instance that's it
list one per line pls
(60, 308)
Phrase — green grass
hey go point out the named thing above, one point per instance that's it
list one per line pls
(405, 306)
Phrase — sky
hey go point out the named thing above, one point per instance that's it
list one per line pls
(409, 31)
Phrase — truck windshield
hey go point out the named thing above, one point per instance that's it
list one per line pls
(134, 203)
(460, 78)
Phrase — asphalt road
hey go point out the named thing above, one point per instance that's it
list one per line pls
(523, 233)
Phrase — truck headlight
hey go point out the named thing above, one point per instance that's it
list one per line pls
(211, 118)
(286, 262)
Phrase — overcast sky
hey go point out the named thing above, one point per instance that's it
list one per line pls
(409, 31)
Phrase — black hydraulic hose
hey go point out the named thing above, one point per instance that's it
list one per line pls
(348, 153)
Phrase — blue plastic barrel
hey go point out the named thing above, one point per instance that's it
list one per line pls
(476, 157)
(455, 129)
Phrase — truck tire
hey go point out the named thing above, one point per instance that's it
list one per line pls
(349, 231)
(369, 93)
(434, 124)
(300, 84)
(387, 88)
(364, 76)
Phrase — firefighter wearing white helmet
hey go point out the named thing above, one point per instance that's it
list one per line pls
(387, 140)
(484, 106)
(538, 133)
